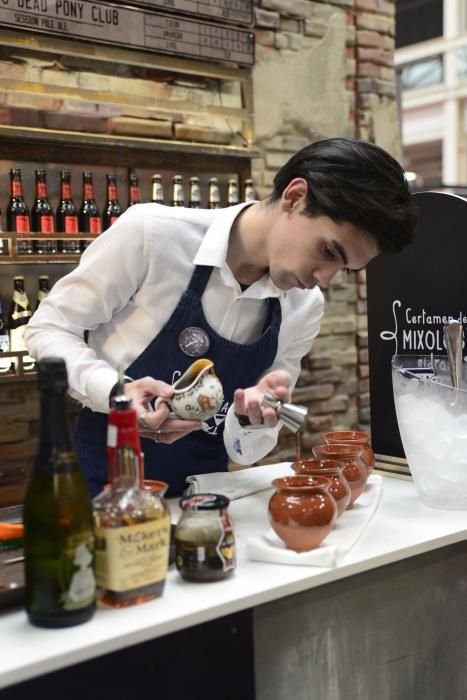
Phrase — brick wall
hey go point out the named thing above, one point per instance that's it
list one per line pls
(323, 69)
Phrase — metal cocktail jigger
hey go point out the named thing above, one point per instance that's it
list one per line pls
(292, 415)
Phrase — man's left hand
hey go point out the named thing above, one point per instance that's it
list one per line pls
(247, 402)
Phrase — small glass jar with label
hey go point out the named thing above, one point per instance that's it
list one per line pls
(204, 538)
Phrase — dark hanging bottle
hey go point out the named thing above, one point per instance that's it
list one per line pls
(67, 215)
(112, 209)
(214, 200)
(58, 521)
(157, 189)
(178, 194)
(17, 213)
(42, 216)
(134, 195)
(5, 363)
(18, 317)
(232, 192)
(194, 201)
(249, 194)
(89, 214)
(43, 288)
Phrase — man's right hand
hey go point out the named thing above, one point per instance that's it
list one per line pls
(157, 425)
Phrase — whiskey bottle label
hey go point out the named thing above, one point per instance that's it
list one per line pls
(133, 556)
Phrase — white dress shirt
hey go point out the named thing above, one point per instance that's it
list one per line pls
(128, 283)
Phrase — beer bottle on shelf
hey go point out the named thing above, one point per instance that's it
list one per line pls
(232, 192)
(134, 195)
(42, 216)
(157, 189)
(112, 209)
(3, 241)
(44, 288)
(17, 213)
(5, 363)
(194, 201)
(67, 215)
(249, 194)
(89, 214)
(125, 515)
(58, 521)
(178, 196)
(214, 201)
(19, 314)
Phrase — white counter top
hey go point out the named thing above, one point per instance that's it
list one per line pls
(402, 527)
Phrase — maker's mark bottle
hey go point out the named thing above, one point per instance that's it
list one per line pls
(132, 523)
(58, 524)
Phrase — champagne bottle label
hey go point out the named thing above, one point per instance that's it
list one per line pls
(41, 190)
(47, 224)
(71, 224)
(77, 557)
(134, 556)
(66, 191)
(112, 192)
(113, 219)
(95, 225)
(22, 224)
(134, 194)
(41, 294)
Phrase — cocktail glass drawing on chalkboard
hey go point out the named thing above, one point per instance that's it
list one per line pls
(433, 428)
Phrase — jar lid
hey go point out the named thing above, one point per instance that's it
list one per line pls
(204, 501)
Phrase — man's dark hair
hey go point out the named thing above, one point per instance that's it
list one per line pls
(356, 182)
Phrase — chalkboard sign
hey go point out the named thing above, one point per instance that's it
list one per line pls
(107, 23)
(411, 295)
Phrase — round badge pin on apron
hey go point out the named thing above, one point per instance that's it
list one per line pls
(194, 341)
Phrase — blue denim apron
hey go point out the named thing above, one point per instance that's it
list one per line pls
(236, 365)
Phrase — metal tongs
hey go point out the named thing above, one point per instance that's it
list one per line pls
(453, 338)
(292, 415)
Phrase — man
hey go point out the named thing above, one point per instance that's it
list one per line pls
(241, 286)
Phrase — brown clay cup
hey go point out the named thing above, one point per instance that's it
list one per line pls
(302, 512)
(353, 437)
(332, 469)
(355, 470)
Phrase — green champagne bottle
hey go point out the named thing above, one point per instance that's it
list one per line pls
(58, 522)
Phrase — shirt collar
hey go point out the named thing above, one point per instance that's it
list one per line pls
(213, 252)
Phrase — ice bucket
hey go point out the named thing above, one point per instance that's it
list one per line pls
(432, 419)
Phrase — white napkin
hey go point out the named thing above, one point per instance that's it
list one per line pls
(239, 483)
(349, 528)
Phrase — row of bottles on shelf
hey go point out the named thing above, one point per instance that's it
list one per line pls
(68, 219)
(13, 324)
